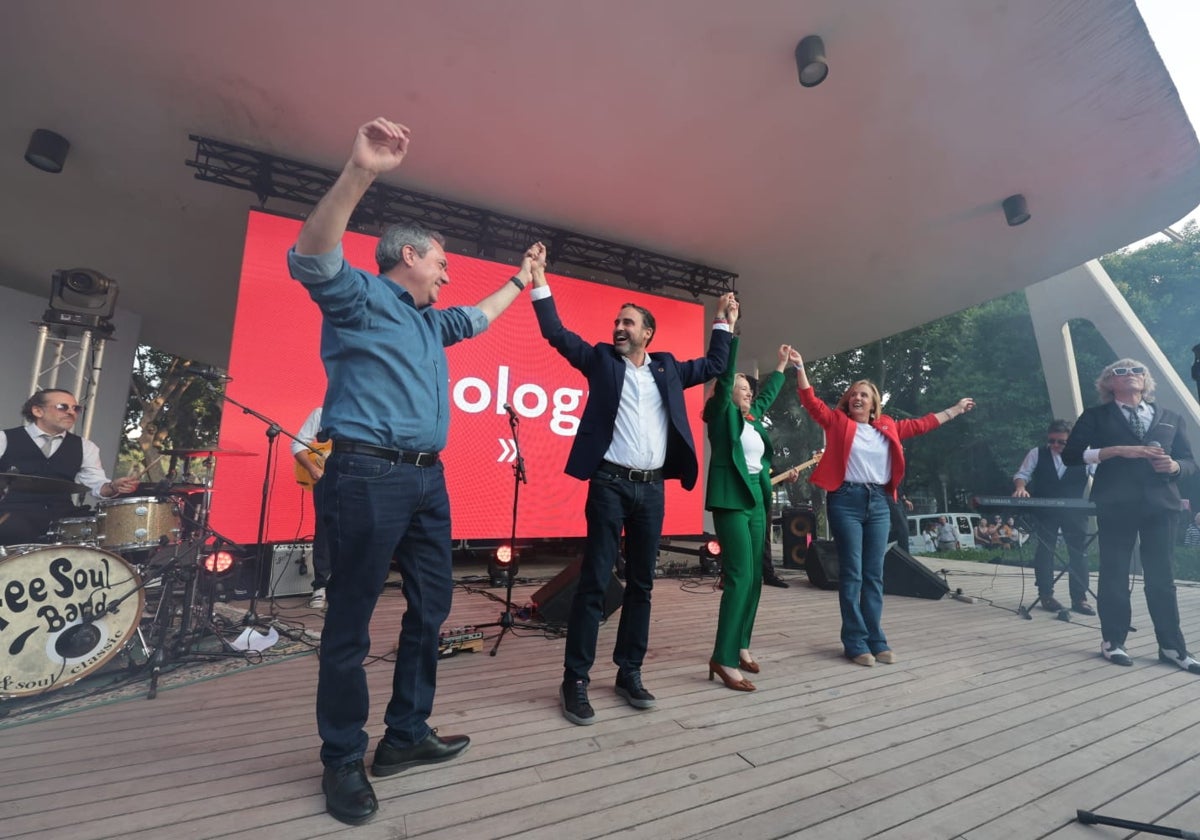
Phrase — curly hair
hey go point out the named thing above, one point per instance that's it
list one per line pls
(1104, 382)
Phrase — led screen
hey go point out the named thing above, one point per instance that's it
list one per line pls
(277, 372)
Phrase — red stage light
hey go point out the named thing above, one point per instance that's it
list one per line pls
(217, 563)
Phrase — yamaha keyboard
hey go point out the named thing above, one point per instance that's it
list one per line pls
(1032, 504)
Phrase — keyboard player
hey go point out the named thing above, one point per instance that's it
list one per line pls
(1044, 475)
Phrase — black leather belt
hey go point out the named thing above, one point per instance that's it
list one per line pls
(400, 456)
(642, 476)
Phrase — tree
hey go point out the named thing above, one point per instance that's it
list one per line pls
(167, 409)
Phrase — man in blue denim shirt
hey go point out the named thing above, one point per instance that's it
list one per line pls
(384, 491)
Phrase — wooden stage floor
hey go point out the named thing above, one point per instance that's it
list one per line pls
(989, 726)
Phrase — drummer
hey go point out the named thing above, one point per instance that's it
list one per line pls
(46, 448)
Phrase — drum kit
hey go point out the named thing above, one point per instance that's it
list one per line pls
(122, 580)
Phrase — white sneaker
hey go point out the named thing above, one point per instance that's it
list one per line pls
(1115, 654)
(317, 601)
(1183, 661)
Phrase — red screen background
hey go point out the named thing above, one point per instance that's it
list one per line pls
(276, 368)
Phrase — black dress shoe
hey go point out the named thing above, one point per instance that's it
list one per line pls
(391, 759)
(1083, 608)
(348, 795)
(775, 581)
(629, 687)
(1051, 604)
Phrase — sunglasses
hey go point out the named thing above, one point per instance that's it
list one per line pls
(1125, 371)
(66, 407)
(1056, 441)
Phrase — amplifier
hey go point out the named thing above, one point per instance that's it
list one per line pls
(291, 571)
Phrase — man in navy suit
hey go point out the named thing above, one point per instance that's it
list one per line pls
(633, 435)
(1140, 452)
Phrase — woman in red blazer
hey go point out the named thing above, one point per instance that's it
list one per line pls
(863, 461)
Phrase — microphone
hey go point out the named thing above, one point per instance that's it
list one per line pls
(208, 373)
(512, 414)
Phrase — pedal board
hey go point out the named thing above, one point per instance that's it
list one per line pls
(456, 639)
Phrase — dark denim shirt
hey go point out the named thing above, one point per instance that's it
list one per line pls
(388, 379)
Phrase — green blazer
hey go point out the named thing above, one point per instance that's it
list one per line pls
(730, 486)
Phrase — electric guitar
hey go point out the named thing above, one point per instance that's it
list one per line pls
(796, 470)
(303, 478)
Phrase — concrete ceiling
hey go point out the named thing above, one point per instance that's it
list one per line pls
(850, 211)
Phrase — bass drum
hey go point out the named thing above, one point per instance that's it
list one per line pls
(69, 609)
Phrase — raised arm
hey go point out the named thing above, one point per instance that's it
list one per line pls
(499, 300)
(379, 147)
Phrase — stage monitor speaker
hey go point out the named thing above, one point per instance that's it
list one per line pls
(905, 575)
(552, 603)
(799, 530)
(821, 564)
(291, 571)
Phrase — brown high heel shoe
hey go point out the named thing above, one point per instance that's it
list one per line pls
(730, 682)
(748, 665)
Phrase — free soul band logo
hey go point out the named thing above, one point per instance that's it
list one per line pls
(64, 612)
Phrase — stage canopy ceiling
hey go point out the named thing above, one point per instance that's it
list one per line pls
(850, 211)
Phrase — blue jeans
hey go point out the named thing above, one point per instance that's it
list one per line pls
(859, 520)
(612, 504)
(372, 509)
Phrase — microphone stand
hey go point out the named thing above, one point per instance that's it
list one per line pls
(506, 622)
(272, 432)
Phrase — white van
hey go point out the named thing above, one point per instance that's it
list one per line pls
(922, 537)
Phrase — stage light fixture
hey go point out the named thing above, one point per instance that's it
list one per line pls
(710, 557)
(810, 61)
(1016, 210)
(47, 151)
(218, 562)
(503, 562)
(81, 297)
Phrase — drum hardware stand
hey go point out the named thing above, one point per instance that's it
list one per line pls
(506, 623)
(272, 432)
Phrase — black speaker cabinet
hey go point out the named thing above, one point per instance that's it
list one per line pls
(552, 603)
(904, 574)
(799, 530)
(821, 564)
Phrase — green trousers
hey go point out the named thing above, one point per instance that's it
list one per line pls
(741, 534)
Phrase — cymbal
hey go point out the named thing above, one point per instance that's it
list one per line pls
(38, 484)
(205, 453)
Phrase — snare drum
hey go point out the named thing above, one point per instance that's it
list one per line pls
(74, 531)
(68, 609)
(137, 522)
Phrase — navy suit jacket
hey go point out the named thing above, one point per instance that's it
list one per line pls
(605, 372)
(1128, 481)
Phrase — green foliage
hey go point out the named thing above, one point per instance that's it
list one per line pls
(166, 410)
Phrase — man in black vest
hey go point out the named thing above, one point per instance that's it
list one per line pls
(1141, 451)
(1044, 476)
(45, 447)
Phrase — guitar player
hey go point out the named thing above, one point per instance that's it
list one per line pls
(310, 466)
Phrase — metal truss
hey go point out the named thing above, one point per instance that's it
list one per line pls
(271, 177)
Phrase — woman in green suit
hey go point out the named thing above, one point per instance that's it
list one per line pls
(738, 494)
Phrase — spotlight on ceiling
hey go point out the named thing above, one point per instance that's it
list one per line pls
(810, 61)
(47, 150)
(1016, 211)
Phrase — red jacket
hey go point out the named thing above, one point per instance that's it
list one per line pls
(839, 436)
